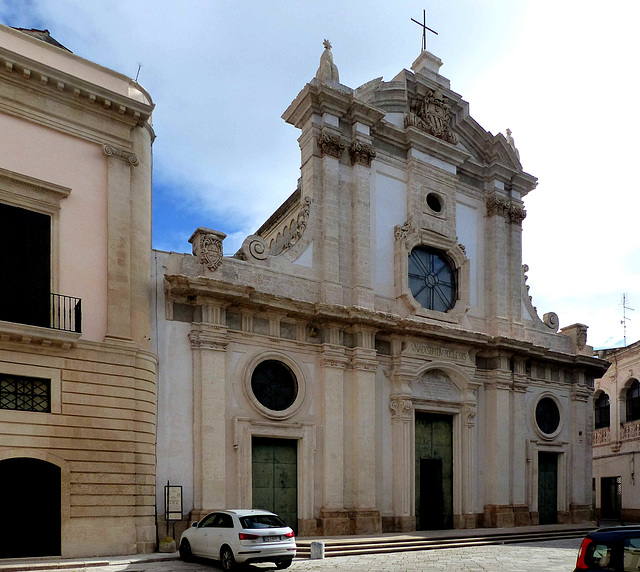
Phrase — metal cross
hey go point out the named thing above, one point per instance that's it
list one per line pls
(424, 29)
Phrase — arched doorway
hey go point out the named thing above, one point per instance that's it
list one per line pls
(32, 519)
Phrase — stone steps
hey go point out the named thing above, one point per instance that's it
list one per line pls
(384, 545)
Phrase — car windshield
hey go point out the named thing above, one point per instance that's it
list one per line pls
(262, 521)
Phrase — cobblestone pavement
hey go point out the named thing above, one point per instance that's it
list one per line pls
(550, 556)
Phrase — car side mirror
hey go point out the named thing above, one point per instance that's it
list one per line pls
(194, 524)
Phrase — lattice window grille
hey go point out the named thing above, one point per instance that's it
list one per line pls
(25, 393)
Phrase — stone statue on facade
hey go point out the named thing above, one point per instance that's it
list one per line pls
(328, 71)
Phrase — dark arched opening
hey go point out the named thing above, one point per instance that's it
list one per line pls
(32, 508)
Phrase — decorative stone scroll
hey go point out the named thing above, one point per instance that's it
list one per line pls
(361, 153)
(301, 224)
(254, 248)
(331, 145)
(400, 408)
(551, 319)
(207, 247)
(512, 211)
(402, 232)
(431, 114)
(111, 151)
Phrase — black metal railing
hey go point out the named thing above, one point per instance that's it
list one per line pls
(66, 313)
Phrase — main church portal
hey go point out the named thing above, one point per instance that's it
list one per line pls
(31, 507)
(275, 477)
(434, 471)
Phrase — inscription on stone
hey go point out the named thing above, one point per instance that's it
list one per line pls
(434, 351)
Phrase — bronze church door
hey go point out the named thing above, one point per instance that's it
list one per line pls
(434, 471)
(275, 477)
(548, 488)
(31, 515)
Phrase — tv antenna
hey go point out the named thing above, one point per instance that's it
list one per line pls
(624, 316)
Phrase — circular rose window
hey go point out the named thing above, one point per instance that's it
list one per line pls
(547, 416)
(274, 385)
(432, 279)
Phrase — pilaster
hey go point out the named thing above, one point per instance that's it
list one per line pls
(208, 349)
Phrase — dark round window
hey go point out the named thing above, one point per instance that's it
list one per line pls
(434, 202)
(547, 415)
(274, 385)
(432, 279)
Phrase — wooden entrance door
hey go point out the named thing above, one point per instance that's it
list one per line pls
(434, 471)
(275, 477)
(31, 508)
(611, 491)
(548, 488)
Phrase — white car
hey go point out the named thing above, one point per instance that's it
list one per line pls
(239, 536)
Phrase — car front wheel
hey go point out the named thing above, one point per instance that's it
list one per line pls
(227, 559)
(284, 563)
(185, 551)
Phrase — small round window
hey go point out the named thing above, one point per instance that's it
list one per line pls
(434, 202)
(274, 385)
(432, 279)
(547, 416)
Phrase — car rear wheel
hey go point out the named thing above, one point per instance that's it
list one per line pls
(284, 563)
(226, 558)
(185, 551)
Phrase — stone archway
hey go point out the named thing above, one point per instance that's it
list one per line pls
(32, 508)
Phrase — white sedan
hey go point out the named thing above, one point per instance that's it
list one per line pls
(239, 536)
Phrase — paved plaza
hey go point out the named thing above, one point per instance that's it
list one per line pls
(550, 556)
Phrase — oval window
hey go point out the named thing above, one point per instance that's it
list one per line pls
(547, 415)
(274, 385)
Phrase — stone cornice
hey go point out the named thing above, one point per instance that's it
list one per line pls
(58, 84)
(180, 286)
(57, 191)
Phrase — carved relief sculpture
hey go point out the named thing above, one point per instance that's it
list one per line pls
(401, 232)
(207, 247)
(301, 224)
(431, 114)
(400, 408)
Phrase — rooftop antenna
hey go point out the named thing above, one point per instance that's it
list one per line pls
(424, 29)
(138, 72)
(624, 316)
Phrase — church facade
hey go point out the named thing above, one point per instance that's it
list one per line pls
(370, 359)
(77, 375)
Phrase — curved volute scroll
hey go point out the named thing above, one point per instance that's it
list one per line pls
(254, 248)
(550, 320)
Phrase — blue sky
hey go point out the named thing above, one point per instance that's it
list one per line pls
(560, 74)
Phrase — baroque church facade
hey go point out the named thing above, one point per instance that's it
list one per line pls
(77, 375)
(370, 359)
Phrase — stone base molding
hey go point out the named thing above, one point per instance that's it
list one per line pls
(584, 513)
(630, 514)
(365, 521)
(398, 523)
(335, 522)
(507, 516)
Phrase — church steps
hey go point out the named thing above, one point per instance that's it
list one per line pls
(379, 545)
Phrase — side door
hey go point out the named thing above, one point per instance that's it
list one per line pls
(199, 538)
(227, 533)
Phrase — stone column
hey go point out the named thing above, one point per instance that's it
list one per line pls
(581, 452)
(208, 348)
(403, 462)
(516, 215)
(119, 165)
(498, 511)
(334, 517)
(469, 466)
(361, 153)
(521, 513)
(331, 147)
(360, 412)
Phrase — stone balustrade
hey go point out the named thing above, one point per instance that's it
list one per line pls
(630, 430)
(601, 436)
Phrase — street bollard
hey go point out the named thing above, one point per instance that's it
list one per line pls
(317, 550)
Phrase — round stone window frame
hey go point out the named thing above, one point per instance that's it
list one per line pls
(434, 197)
(253, 400)
(539, 431)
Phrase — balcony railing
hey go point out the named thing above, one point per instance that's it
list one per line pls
(58, 312)
(66, 313)
(601, 436)
(630, 430)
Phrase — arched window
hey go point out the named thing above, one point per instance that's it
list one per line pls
(633, 401)
(601, 411)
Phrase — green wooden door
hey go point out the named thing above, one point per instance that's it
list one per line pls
(275, 477)
(548, 488)
(434, 471)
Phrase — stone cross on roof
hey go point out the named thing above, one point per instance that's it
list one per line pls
(424, 29)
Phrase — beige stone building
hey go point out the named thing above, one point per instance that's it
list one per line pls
(616, 436)
(77, 377)
(370, 359)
